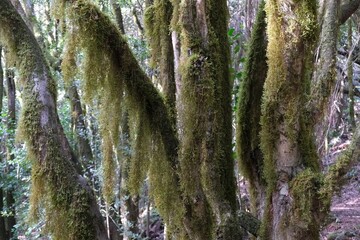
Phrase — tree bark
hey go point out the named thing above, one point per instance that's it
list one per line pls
(55, 177)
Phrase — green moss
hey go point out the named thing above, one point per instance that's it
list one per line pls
(304, 189)
(332, 180)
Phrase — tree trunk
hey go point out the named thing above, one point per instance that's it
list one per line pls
(118, 15)
(324, 76)
(249, 111)
(157, 22)
(207, 175)
(3, 235)
(290, 162)
(11, 122)
(84, 152)
(350, 77)
(71, 209)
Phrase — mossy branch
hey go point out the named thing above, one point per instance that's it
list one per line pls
(92, 22)
(112, 76)
(334, 179)
(249, 223)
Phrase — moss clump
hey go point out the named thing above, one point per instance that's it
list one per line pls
(304, 191)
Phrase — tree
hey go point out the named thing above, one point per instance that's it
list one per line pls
(55, 170)
(297, 194)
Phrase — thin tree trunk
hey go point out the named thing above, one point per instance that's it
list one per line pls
(84, 151)
(118, 15)
(3, 235)
(350, 76)
(11, 122)
(324, 76)
(55, 171)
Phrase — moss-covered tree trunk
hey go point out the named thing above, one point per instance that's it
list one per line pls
(207, 175)
(157, 22)
(290, 161)
(324, 76)
(71, 209)
(249, 112)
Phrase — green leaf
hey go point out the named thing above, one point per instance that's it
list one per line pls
(231, 32)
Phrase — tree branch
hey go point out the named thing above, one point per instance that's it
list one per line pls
(347, 8)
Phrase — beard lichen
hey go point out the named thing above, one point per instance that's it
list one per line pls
(112, 74)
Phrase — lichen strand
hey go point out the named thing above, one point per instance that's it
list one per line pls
(141, 154)
(112, 73)
(103, 81)
(68, 64)
(249, 105)
(164, 191)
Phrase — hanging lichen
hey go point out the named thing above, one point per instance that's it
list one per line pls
(111, 74)
(163, 192)
(141, 149)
